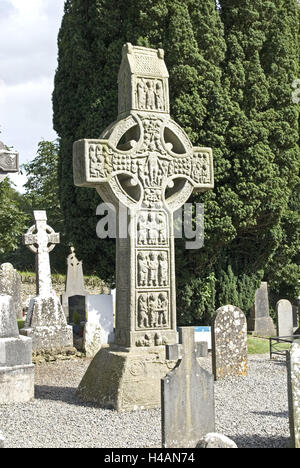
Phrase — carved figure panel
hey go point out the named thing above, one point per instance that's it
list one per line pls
(152, 228)
(152, 269)
(150, 95)
(153, 310)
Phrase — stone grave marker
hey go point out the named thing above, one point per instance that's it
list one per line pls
(74, 282)
(293, 365)
(284, 312)
(77, 309)
(188, 409)
(10, 285)
(260, 321)
(229, 342)
(16, 368)
(100, 312)
(9, 162)
(45, 321)
(143, 162)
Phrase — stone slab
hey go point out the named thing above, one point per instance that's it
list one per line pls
(229, 343)
(16, 384)
(92, 337)
(285, 322)
(15, 351)
(10, 285)
(99, 309)
(188, 410)
(125, 379)
(8, 319)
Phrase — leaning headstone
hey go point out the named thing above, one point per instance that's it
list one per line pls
(10, 285)
(16, 368)
(260, 321)
(45, 321)
(188, 408)
(293, 365)
(229, 342)
(284, 312)
(75, 281)
(215, 440)
(143, 162)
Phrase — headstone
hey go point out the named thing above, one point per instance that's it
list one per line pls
(10, 285)
(77, 309)
(16, 368)
(144, 162)
(295, 317)
(284, 312)
(45, 321)
(188, 409)
(229, 342)
(203, 334)
(75, 281)
(9, 162)
(214, 440)
(293, 365)
(260, 321)
(99, 309)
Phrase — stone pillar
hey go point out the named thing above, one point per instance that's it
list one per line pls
(260, 321)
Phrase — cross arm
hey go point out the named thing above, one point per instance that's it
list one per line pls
(92, 162)
(196, 167)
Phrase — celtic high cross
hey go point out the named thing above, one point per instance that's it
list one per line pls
(41, 240)
(145, 162)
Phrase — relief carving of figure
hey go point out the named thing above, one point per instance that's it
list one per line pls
(163, 269)
(142, 230)
(152, 310)
(162, 309)
(150, 95)
(141, 94)
(162, 228)
(143, 318)
(153, 270)
(152, 230)
(142, 269)
(159, 94)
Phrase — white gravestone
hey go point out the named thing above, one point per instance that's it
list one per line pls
(16, 368)
(293, 365)
(284, 312)
(45, 321)
(203, 334)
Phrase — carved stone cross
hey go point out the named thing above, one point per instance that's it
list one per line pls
(9, 162)
(145, 162)
(41, 240)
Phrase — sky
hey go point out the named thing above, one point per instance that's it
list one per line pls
(28, 60)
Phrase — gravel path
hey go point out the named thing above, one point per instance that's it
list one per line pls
(252, 410)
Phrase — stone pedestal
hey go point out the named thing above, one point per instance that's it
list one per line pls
(16, 368)
(126, 379)
(46, 325)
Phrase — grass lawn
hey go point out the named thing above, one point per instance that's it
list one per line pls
(262, 345)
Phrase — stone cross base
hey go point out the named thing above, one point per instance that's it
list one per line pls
(16, 383)
(46, 325)
(126, 379)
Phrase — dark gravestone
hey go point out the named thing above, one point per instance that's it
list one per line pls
(260, 321)
(188, 410)
(77, 312)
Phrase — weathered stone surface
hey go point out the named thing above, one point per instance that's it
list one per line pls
(145, 163)
(92, 339)
(75, 281)
(188, 410)
(2, 441)
(16, 369)
(10, 285)
(214, 440)
(260, 321)
(293, 365)
(45, 321)
(229, 342)
(8, 321)
(9, 161)
(284, 311)
(125, 379)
